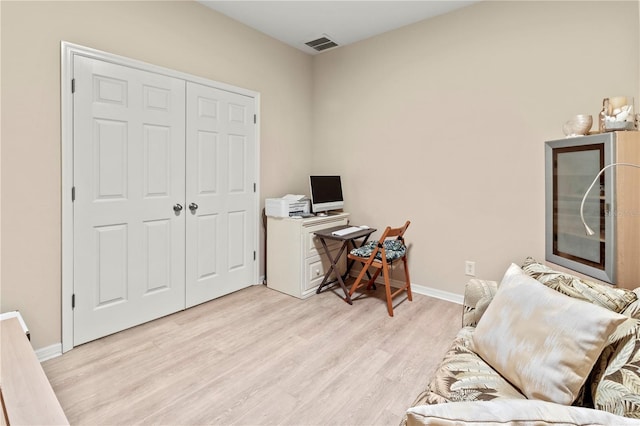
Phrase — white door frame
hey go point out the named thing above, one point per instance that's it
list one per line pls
(68, 51)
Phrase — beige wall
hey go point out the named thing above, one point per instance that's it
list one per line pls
(181, 35)
(454, 113)
(456, 109)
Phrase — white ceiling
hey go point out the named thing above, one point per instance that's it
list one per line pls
(345, 22)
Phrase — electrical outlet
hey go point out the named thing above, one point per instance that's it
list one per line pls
(470, 268)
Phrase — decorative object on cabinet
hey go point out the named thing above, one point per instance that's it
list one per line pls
(579, 125)
(617, 114)
(611, 254)
(295, 259)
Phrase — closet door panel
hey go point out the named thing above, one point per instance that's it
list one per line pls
(220, 181)
(129, 150)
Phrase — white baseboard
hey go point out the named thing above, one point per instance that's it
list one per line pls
(49, 352)
(438, 294)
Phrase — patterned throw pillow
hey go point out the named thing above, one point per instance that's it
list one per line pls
(542, 342)
(616, 383)
(612, 298)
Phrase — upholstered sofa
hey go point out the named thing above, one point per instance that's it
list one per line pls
(541, 347)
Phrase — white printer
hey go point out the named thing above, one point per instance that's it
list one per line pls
(289, 205)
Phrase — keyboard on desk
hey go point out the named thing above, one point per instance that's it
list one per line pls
(347, 231)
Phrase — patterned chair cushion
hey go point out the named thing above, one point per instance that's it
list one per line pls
(393, 248)
(614, 299)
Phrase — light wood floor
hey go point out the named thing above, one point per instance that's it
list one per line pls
(260, 357)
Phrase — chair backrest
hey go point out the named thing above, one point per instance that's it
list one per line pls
(390, 232)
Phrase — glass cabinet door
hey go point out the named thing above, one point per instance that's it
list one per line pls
(574, 169)
(571, 166)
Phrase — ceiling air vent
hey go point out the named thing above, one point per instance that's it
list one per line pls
(321, 44)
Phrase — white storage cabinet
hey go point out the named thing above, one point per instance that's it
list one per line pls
(296, 262)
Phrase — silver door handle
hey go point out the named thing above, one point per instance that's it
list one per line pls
(193, 207)
(177, 208)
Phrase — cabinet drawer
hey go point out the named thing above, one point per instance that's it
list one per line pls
(317, 266)
(314, 245)
(311, 243)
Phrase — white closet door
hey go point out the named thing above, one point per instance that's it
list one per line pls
(221, 230)
(129, 171)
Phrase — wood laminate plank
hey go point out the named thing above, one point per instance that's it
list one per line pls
(258, 356)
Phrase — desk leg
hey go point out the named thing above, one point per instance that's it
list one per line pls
(334, 267)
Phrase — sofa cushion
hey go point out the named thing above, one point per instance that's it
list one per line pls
(515, 412)
(614, 299)
(541, 341)
(616, 383)
(464, 376)
(617, 388)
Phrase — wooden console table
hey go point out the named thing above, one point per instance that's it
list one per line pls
(27, 396)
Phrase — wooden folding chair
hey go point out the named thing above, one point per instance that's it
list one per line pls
(380, 254)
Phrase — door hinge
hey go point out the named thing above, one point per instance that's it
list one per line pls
(73, 85)
(254, 255)
(73, 301)
(73, 193)
(255, 119)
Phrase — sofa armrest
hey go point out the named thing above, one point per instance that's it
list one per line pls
(477, 296)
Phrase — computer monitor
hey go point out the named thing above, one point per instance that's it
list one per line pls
(326, 193)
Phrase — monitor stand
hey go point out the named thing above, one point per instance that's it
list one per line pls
(321, 214)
